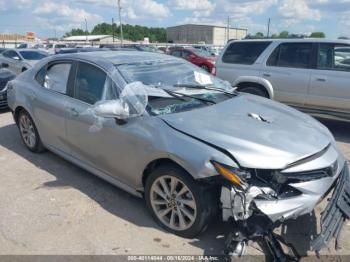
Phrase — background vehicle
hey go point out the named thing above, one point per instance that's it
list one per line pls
(198, 57)
(131, 47)
(20, 60)
(2, 50)
(5, 76)
(80, 50)
(55, 48)
(310, 74)
(162, 128)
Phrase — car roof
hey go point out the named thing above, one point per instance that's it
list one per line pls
(293, 40)
(119, 57)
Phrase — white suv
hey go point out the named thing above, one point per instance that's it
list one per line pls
(312, 75)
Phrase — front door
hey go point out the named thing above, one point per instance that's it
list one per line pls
(98, 143)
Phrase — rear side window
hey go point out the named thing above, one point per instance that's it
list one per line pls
(56, 78)
(333, 57)
(89, 84)
(294, 55)
(245, 53)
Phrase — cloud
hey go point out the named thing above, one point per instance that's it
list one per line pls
(296, 10)
(14, 5)
(61, 16)
(135, 9)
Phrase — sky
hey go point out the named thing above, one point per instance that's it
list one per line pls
(49, 17)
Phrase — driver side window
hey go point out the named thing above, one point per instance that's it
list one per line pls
(89, 83)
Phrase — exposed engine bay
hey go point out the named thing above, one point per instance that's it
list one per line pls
(249, 208)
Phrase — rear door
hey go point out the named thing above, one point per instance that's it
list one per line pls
(241, 59)
(330, 82)
(288, 69)
(49, 103)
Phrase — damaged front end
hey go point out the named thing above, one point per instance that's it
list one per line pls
(258, 201)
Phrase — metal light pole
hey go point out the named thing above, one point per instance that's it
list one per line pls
(120, 22)
(86, 32)
(268, 28)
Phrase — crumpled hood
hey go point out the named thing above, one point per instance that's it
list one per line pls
(257, 132)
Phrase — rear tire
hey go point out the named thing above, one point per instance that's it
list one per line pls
(254, 91)
(29, 133)
(177, 203)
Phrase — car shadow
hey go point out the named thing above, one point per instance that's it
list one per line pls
(109, 197)
(4, 110)
(118, 202)
(340, 129)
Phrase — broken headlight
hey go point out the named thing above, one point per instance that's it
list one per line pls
(234, 175)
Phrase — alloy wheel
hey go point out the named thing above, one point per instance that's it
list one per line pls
(27, 130)
(173, 203)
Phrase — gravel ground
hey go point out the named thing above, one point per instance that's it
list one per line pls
(49, 206)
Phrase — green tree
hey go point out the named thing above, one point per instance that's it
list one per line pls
(75, 32)
(259, 35)
(318, 35)
(284, 34)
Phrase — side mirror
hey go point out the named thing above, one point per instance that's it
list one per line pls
(112, 109)
(16, 58)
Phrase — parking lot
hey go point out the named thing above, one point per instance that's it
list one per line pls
(49, 206)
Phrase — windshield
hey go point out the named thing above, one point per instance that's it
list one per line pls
(201, 52)
(192, 85)
(32, 55)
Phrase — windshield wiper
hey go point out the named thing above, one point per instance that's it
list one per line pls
(202, 87)
(181, 95)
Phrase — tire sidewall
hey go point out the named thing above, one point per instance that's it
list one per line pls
(36, 148)
(198, 195)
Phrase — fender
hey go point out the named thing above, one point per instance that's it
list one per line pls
(258, 80)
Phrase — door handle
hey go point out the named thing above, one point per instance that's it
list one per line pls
(266, 75)
(4, 65)
(321, 79)
(74, 112)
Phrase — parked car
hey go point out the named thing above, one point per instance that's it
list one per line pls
(198, 57)
(5, 76)
(20, 60)
(55, 48)
(80, 50)
(163, 129)
(207, 49)
(30, 46)
(310, 74)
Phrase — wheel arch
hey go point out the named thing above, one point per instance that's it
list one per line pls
(159, 162)
(256, 82)
(17, 111)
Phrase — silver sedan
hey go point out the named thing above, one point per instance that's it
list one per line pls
(163, 129)
(20, 60)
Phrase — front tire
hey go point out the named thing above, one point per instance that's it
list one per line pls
(177, 202)
(29, 133)
(205, 68)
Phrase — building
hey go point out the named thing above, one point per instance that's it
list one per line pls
(94, 39)
(206, 34)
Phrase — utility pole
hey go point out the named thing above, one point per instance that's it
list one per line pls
(113, 29)
(268, 28)
(120, 22)
(86, 32)
(228, 29)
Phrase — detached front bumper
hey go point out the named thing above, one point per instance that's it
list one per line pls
(335, 214)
